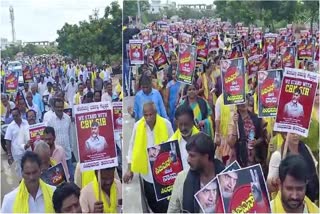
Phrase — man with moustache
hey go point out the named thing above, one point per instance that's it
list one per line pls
(208, 198)
(228, 182)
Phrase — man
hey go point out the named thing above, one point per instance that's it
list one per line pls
(6, 106)
(78, 97)
(98, 83)
(31, 117)
(61, 123)
(293, 182)
(37, 99)
(42, 86)
(310, 66)
(203, 168)
(97, 96)
(16, 137)
(185, 123)
(294, 108)
(32, 195)
(155, 130)
(47, 95)
(111, 194)
(147, 94)
(57, 153)
(107, 94)
(88, 98)
(88, 87)
(71, 89)
(95, 143)
(208, 197)
(227, 184)
(33, 106)
(47, 116)
(25, 89)
(66, 198)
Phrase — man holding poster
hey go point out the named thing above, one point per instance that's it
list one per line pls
(297, 91)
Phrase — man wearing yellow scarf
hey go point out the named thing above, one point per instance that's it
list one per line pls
(78, 97)
(110, 195)
(185, 122)
(32, 195)
(150, 130)
(293, 182)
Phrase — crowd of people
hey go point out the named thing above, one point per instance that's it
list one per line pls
(61, 85)
(211, 135)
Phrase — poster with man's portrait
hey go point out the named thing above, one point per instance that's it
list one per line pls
(165, 161)
(296, 99)
(136, 52)
(95, 136)
(244, 191)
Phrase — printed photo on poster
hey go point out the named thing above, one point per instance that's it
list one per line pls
(54, 176)
(95, 136)
(253, 65)
(202, 50)
(288, 58)
(233, 81)
(185, 38)
(275, 62)
(269, 85)
(36, 71)
(11, 82)
(213, 41)
(27, 75)
(160, 58)
(244, 191)
(296, 98)
(36, 133)
(165, 161)
(270, 44)
(117, 116)
(186, 63)
(136, 52)
(209, 197)
(68, 111)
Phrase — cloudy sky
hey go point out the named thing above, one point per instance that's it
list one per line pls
(39, 20)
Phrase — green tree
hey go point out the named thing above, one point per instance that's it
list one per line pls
(130, 8)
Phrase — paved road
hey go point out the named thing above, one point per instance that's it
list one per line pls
(131, 192)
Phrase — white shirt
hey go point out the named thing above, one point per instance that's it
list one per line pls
(106, 97)
(62, 128)
(96, 144)
(42, 87)
(294, 110)
(150, 141)
(36, 108)
(85, 91)
(49, 79)
(35, 205)
(18, 136)
(70, 92)
(47, 116)
(106, 75)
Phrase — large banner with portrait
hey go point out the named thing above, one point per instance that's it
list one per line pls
(165, 161)
(233, 81)
(296, 99)
(96, 146)
(136, 52)
(209, 197)
(269, 85)
(244, 191)
(186, 63)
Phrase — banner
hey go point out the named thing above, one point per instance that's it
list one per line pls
(304, 34)
(288, 58)
(236, 50)
(295, 101)
(11, 82)
(68, 111)
(136, 52)
(54, 176)
(160, 58)
(36, 133)
(36, 71)
(270, 44)
(145, 35)
(213, 41)
(165, 161)
(185, 38)
(283, 31)
(269, 85)
(209, 197)
(95, 137)
(257, 34)
(27, 75)
(233, 81)
(244, 191)
(202, 50)
(305, 50)
(164, 42)
(253, 65)
(186, 63)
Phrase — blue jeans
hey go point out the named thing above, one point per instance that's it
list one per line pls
(71, 169)
(126, 72)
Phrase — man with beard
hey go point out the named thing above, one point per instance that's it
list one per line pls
(208, 198)
(228, 183)
(294, 108)
(203, 168)
(292, 197)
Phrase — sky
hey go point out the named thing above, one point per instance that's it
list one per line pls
(39, 20)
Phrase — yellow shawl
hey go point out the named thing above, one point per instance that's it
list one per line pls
(107, 208)
(206, 89)
(21, 204)
(225, 115)
(177, 135)
(278, 208)
(139, 162)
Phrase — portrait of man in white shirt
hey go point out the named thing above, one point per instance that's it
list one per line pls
(95, 143)
(293, 108)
